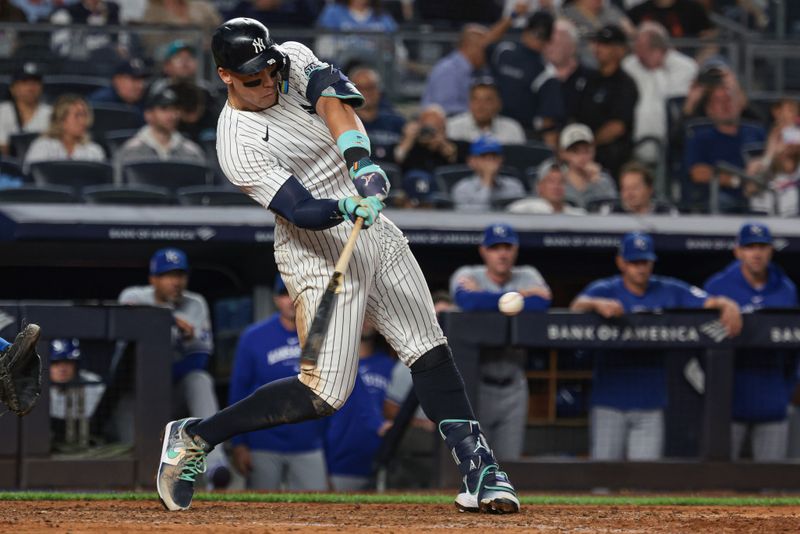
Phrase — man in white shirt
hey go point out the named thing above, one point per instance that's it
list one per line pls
(483, 117)
(660, 73)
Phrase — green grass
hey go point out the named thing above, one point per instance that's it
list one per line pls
(410, 498)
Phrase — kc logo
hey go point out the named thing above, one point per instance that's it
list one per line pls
(258, 44)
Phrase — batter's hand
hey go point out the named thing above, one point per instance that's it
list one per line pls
(242, 460)
(370, 180)
(368, 208)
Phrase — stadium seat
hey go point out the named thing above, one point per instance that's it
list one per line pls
(40, 194)
(523, 156)
(55, 85)
(72, 173)
(129, 195)
(109, 117)
(114, 139)
(19, 143)
(170, 174)
(10, 168)
(213, 196)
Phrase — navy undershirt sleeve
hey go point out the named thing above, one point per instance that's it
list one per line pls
(294, 203)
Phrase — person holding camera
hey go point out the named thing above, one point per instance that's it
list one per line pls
(424, 145)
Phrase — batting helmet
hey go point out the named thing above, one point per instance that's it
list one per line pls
(243, 45)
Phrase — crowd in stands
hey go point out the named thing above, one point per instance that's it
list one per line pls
(569, 92)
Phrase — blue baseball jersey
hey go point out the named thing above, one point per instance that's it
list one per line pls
(636, 380)
(376, 373)
(351, 437)
(267, 351)
(763, 379)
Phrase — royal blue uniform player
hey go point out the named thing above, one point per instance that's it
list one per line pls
(288, 456)
(629, 390)
(354, 433)
(763, 379)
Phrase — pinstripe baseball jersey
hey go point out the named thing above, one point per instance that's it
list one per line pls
(259, 151)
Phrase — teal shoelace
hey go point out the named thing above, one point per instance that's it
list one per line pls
(193, 465)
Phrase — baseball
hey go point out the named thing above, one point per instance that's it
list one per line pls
(511, 303)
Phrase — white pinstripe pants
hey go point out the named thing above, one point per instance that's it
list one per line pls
(383, 282)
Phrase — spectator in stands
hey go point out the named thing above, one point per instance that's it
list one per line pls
(289, 456)
(354, 432)
(67, 382)
(192, 344)
(159, 139)
(562, 53)
(297, 13)
(681, 18)
(779, 168)
(487, 186)
(629, 389)
(127, 85)
(197, 101)
(586, 181)
(550, 193)
(424, 145)
(727, 139)
(591, 16)
(25, 111)
(449, 81)
(483, 117)
(636, 192)
(80, 44)
(346, 16)
(191, 13)
(763, 380)
(528, 88)
(37, 10)
(67, 135)
(384, 126)
(608, 100)
(660, 73)
(503, 390)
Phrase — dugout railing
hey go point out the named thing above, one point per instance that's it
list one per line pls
(26, 459)
(671, 332)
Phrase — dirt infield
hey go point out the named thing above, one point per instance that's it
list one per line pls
(145, 516)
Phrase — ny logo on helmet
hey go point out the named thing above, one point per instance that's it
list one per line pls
(258, 44)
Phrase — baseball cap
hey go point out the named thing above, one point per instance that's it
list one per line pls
(483, 80)
(636, 246)
(575, 133)
(27, 71)
(753, 232)
(132, 67)
(609, 34)
(497, 233)
(168, 259)
(64, 349)
(176, 46)
(279, 288)
(161, 97)
(485, 144)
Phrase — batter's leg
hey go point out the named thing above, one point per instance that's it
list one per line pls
(402, 310)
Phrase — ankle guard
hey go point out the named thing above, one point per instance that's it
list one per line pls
(467, 444)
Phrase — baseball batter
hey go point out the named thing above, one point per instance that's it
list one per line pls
(290, 138)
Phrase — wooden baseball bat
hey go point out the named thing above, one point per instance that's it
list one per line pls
(319, 325)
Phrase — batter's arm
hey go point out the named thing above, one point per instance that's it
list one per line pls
(339, 116)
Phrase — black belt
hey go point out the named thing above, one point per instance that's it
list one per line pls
(499, 382)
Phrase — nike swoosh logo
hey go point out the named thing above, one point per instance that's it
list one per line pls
(173, 453)
(266, 134)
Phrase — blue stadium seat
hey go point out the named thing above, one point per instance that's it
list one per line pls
(127, 194)
(523, 156)
(213, 196)
(72, 173)
(40, 194)
(170, 174)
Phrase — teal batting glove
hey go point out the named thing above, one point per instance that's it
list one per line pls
(368, 208)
